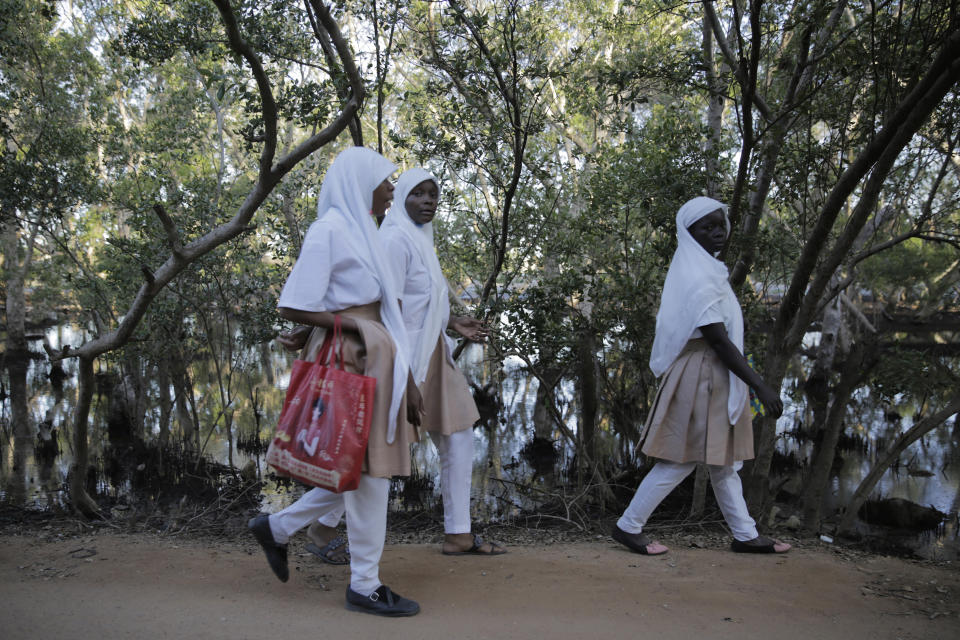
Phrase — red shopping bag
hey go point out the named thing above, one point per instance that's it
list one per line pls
(322, 433)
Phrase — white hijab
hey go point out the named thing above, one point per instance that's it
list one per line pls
(348, 189)
(420, 238)
(695, 282)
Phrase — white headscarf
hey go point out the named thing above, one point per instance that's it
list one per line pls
(348, 189)
(695, 282)
(420, 238)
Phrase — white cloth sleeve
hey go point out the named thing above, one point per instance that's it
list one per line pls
(711, 315)
(307, 284)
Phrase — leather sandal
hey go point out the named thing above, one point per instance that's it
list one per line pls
(327, 551)
(760, 544)
(638, 542)
(477, 550)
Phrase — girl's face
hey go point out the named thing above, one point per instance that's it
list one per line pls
(710, 231)
(421, 202)
(382, 196)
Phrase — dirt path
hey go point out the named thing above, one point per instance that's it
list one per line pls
(115, 586)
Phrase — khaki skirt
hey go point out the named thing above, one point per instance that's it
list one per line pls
(371, 354)
(689, 421)
(447, 401)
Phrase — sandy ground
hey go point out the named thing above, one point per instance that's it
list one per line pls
(115, 586)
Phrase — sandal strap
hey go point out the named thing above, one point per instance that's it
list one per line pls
(337, 542)
(477, 542)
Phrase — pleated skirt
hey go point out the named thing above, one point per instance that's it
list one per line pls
(689, 420)
(448, 403)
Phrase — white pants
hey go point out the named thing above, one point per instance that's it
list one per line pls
(456, 474)
(366, 508)
(665, 476)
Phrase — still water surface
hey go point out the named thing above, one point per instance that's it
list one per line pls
(929, 473)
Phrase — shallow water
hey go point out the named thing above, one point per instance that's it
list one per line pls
(929, 474)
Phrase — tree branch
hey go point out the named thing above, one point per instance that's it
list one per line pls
(268, 103)
(267, 180)
(731, 59)
(173, 237)
(348, 110)
(878, 159)
(330, 53)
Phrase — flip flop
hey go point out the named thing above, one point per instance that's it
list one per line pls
(325, 552)
(760, 544)
(638, 542)
(495, 549)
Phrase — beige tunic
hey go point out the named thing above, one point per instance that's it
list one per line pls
(447, 401)
(373, 356)
(689, 420)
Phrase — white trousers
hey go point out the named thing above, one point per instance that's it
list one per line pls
(366, 509)
(456, 475)
(665, 476)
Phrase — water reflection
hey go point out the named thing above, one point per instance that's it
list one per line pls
(928, 475)
(512, 471)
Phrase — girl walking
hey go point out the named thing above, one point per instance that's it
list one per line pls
(701, 412)
(341, 272)
(449, 409)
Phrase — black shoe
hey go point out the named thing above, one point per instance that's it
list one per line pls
(382, 602)
(276, 553)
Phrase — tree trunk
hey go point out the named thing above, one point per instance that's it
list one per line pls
(133, 392)
(189, 425)
(818, 262)
(851, 377)
(588, 395)
(228, 425)
(17, 365)
(266, 361)
(79, 498)
(17, 361)
(543, 422)
(757, 471)
(166, 405)
(286, 207)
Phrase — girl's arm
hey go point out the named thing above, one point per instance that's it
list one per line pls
(323, 319)
(326, 319)
(716, 335)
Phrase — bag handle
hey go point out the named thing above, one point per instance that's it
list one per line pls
(338, 338)
(336, 335)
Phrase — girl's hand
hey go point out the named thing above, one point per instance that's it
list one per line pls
(470, 328)
(295, 339)
(415, 408)
(771, 400)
